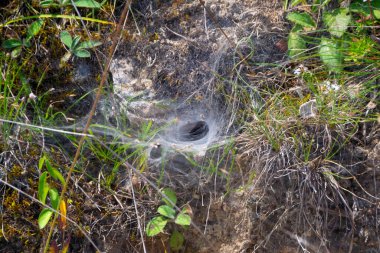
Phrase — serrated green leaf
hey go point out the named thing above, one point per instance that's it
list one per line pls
(156, 226)
(87, 4)
(303, 19)
(54, 198)
(337, 21)
(66, 38)
(176, 241)
(16, 52)
(166, 211)
(89, 44)
(44, 217)
(34, 28)
(82, 53)
(183, 219)
(54, 173)
(43, 187)
(171, 195)
(11, 43)
(296, 45)
(330, 55)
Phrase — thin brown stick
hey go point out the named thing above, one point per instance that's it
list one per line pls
(116, 35)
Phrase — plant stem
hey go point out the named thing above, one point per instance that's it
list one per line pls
(91, 114)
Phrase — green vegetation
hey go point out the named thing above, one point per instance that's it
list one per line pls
(298, 120)
(167, 213)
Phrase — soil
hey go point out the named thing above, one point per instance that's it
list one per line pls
(173, 60)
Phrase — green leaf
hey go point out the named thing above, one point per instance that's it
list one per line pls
(176, 241)
(66, 38)
(156, 226)
(41, 162)
(302, 19)
(47, 3)
(75, 43)
(87, 4)
(54, 173)
(330, 55)
(26, 43)
(11, 43)
(166, 211)
(337, 21)
(297, 29)
(16, 52)
(44, 217)
(43, 188)
(34, 28)
(296, 45)
(183, 219)
(360, 7)
(365, 9)
(82, 53)
(296, 2)
(171, 195)
(54, 198)
(89, 44)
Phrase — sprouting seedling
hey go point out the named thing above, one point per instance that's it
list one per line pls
(167, 213)
(63, 3)
(18, 44)
(76, 47)
(44, 188)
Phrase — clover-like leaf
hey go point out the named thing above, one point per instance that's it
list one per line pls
(176, 241)
(156, 226)
(183, 219)
(89, 44)
(66, 38)
(171, 197)
(166, 211)
(82, 53)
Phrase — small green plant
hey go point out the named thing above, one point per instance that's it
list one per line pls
(332, 48)
(76, 47)
(64, 3)
(169, 214)
(44, 188)
(18, 44)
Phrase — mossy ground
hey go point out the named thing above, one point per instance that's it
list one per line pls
(285, 182)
